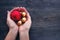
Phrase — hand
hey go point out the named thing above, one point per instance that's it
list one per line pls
(11, 24)
(13, 28)
(23, 29)
(26, 26)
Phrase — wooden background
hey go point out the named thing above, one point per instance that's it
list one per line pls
(45, 17)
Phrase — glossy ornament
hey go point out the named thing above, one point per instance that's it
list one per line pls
(15, 15)
(19, 23)
(23, 14)
(19, 16)
(24, 19)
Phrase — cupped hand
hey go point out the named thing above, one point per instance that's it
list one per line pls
(26, 26)
(11, 24)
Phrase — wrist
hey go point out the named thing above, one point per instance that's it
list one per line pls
(22, 31)
(11, 34)
(24, 35)
(13, 30)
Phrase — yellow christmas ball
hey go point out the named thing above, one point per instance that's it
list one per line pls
(24, 14)
(19, 23)
(24, 19)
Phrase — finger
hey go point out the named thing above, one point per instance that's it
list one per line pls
(27, 12)
(21, 7)
(8, 15)
(25, 9)
(28, 15)
(14, 8)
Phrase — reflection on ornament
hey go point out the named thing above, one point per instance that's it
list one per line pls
(24, 19)
(19, 23)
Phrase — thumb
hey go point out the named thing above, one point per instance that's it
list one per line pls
(8, 15)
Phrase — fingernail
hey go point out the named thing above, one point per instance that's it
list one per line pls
(21, 7)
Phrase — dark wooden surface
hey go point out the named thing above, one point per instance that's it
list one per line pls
(45, 18)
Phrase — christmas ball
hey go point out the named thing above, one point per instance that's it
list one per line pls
(24, 19)
(19, 23)
(15, 15)
(23, 14)
(19, 16)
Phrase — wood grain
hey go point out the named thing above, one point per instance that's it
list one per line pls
(45, 17)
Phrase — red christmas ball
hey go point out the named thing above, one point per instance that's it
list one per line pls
(15, 15)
